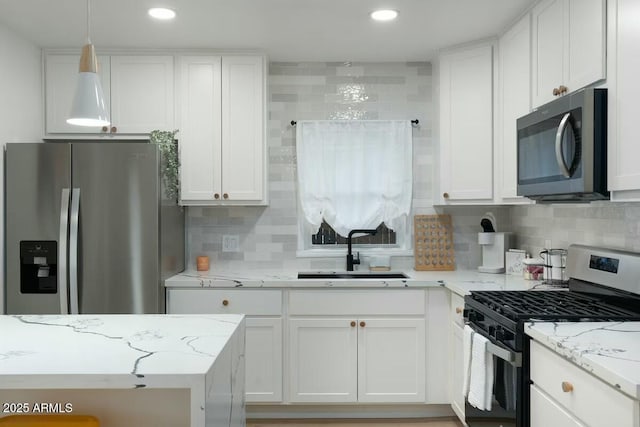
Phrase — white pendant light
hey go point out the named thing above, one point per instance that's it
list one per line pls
(88, 107)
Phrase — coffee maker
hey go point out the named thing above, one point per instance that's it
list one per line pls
(494, 244)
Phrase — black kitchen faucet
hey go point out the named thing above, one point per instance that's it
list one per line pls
(350, 260)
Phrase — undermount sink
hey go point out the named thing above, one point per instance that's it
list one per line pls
(351, 275)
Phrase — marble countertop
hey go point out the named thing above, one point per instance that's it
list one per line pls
(609, 350)
(110, 351)
(460, 281)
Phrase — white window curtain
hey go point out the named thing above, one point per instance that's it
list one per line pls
(354, 173)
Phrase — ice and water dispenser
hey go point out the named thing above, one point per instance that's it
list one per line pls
(38, 267)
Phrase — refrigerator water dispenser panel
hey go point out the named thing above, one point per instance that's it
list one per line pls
(38, 267)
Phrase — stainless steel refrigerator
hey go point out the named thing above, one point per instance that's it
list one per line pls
(88, 228)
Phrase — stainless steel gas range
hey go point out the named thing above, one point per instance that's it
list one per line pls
(604, 285)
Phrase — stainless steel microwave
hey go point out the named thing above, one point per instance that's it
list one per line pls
(562, 149)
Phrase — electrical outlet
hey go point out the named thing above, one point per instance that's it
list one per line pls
(230, 243)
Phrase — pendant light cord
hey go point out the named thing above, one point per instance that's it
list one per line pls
(88, 22)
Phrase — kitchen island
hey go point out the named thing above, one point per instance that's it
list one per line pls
(127, 370)
(585, 373)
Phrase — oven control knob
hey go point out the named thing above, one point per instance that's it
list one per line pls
(499, 334)
(474, 316)
(492, 331)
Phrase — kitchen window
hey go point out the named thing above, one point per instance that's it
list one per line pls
(326, 235)
(354, 174)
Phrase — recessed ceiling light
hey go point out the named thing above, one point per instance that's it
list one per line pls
(384, 15)
(162, 13)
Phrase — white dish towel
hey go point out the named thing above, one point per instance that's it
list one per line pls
(467, 339)
(481, 376)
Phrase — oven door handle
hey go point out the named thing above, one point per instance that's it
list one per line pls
(511, 357)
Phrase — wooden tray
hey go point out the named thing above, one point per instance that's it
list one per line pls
(433, 243)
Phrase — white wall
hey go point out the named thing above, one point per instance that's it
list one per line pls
(21, 106)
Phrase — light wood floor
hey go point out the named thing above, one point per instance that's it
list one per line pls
(441, 422)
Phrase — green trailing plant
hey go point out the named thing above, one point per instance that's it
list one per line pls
(168, 146)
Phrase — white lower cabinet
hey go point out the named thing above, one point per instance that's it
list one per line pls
(546, 412)
(263, 342)
(357, 360)
(323, 360)
(563, 394)
(456, 368)
(457, 375)
(391, 360)
(263, 356)
(357, 346)
(334, 346)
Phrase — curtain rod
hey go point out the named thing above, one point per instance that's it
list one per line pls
(413, 122)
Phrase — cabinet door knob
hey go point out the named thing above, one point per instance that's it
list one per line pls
(362, 324)
(563, 89)
(445, 195)
(458, 310)
(114, 129)
(556, 91)
(225, 196)
(567, 387)
(225, 302)
(216, 196)
(105, 128)
(353, 324)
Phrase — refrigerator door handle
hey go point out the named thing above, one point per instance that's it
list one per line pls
(73, 251)
(62, 256)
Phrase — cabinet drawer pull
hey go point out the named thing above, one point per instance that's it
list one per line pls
(114, 129)
(216, 196)
(556, 91)
(563, 89)
(353, 324)
(567, 387)
(458, 310)
(105, 128)
(225, 196)
(225, 302)
(362, 324)
(445, 195)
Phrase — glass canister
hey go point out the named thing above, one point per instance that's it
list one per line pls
(533, 268)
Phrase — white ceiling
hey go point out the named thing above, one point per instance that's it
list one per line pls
(287, 30)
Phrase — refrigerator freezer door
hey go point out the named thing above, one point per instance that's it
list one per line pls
(118, 237)
(35, 176)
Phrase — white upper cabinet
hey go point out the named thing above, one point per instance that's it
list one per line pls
(624, 92)
(243, 151)
(138, 92)
(222, 143)
(568, 47)
(60, 80)
(142, 93)
(466, 124)
(514, 101)
(200, 127)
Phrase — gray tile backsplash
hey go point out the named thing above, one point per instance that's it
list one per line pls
(314, 91)
(606, 224)
(298, 91)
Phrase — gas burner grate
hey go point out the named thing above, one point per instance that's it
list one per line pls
(519, 305)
